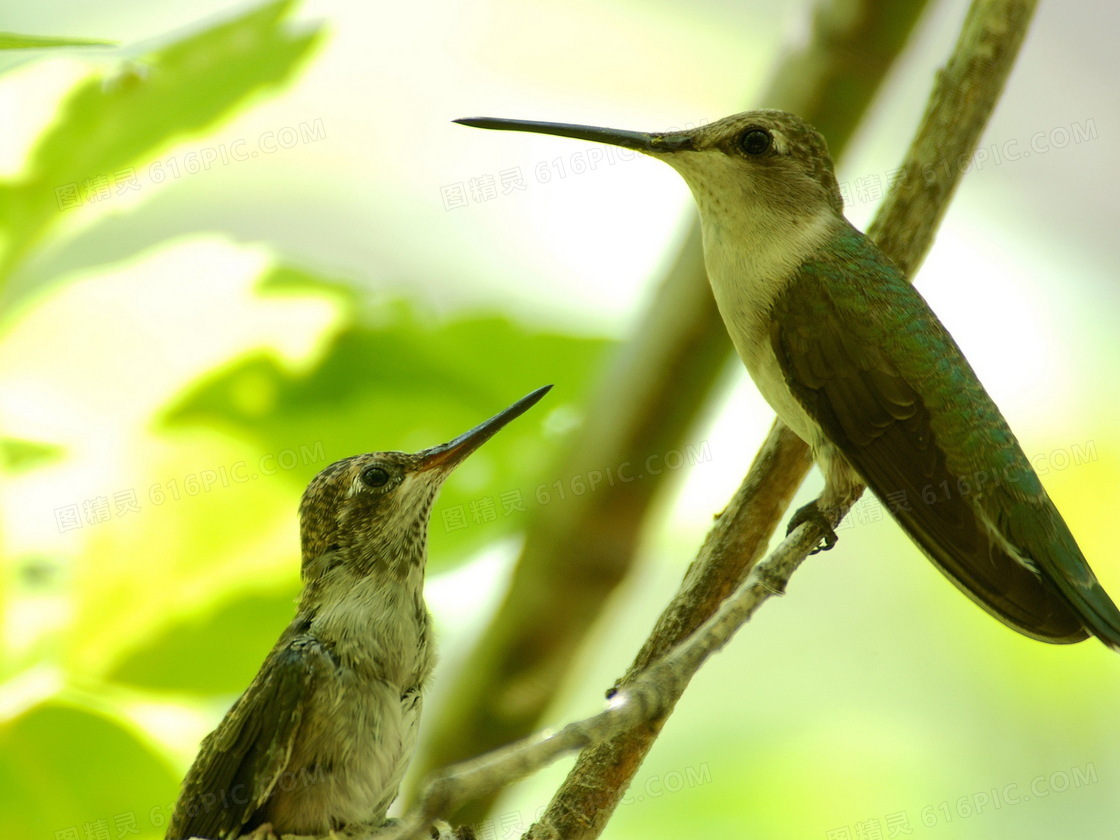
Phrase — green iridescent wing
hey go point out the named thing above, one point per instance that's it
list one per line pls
(876, 370)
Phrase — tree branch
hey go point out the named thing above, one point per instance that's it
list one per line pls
(961, 103)
(964, 95)
(649, 696)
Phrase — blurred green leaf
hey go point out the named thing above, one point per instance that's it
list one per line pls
(217, 654)
(110, 124)
(394, 379)
(15, 41)
(226, 573)
(18, 455)
(209, 529)
(63, 768)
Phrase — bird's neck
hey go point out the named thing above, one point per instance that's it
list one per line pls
(376, 621)
(752, 256)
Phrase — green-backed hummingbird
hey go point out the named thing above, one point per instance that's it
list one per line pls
(323, 735)
(854, 361)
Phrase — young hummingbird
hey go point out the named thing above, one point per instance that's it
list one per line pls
(323, 735)
(854, 361)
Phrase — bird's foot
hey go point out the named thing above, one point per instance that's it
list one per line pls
(812, 513)
(393, 828)
(264, 831)
(367, 830)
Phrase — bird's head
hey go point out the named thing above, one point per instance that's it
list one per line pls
(370, 512)
(757, 161)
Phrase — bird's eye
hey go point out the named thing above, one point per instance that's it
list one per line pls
(755, 141)
(374, 477)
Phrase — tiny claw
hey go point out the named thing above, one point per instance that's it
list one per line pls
(264, 831)
(812, 513)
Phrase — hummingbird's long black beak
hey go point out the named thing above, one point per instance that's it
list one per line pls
(450, 454)
(637, 140)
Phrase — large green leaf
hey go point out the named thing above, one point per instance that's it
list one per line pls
(17, 455)
(394, 379)
(111, 124)
(215, 654)
(69, 772)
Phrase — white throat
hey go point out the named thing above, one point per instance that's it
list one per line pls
(750, 261)
(751, 254)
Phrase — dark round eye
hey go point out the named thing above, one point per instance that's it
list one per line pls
(374, 477)
(755, 141)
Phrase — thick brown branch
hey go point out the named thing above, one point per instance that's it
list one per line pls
(965, 95)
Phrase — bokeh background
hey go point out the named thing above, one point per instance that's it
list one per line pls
(245, 241)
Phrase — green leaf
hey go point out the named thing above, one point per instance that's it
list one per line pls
(217, 654)
(63, 768)
(14, 41)
(109, 125)
(19, 455)
(394, 379)
(209, 526)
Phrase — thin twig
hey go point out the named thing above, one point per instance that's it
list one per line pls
(649, 696)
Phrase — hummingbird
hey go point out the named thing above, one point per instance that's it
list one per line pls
(855, 362)
(322, 737)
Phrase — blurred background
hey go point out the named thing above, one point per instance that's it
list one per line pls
(242, 242)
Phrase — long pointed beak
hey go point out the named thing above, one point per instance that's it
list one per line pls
(637, 140)
(448, 455)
